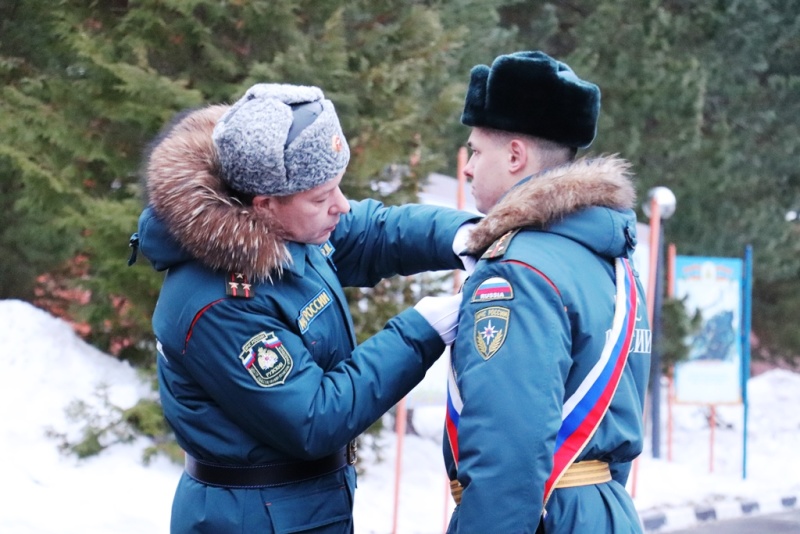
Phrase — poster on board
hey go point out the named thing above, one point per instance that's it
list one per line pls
(712, 286)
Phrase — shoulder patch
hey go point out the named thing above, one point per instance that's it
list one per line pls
(491, 330)
(238, 286)
(312, 309)
(499, 247)
(266, 359)
(494, 288)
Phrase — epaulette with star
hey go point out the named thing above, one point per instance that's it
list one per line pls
(499, 247)
(238, 286)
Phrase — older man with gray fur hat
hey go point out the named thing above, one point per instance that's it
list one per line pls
(260, 375)
(551, 359)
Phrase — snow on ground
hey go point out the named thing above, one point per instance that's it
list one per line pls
(45, 368)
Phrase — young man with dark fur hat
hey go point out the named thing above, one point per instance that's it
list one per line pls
(551, 359)
(259, 373)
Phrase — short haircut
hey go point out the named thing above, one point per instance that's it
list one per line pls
(552, 154)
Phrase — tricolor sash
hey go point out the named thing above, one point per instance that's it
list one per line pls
(584, 409)
(454, 406)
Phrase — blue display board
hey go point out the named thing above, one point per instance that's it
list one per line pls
(713, 373)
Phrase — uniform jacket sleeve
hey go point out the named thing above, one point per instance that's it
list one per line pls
(512, 398)
(374, 242)
(313, 411)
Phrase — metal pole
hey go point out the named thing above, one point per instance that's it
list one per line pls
(655, 233)
(461, 195)
(747, 296)
(400, 428)
(670, 274)
(655, 360)
(712, 423)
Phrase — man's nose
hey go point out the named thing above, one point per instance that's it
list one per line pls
(341, 205)
(468, 169)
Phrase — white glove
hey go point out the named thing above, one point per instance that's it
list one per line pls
(442, 314)
(460, 245)
(469, 262)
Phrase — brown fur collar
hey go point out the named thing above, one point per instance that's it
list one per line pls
(548, 197)
(187, 193)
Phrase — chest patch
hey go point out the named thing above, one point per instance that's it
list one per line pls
(266, 359)
(327, 249)
(494, 288)
(491, 330)
(312, 309)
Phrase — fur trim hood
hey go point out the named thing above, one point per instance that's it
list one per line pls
(188, 195)
(552, 195)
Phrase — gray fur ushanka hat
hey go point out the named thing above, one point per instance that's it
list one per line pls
(534, 94)
(280, 139)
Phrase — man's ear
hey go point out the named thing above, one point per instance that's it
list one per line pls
(263, 203)
(517, 155)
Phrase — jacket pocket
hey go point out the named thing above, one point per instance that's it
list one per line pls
(320, 506)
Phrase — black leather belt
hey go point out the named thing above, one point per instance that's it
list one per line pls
(261, 476)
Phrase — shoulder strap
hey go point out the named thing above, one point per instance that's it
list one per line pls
(499, 247)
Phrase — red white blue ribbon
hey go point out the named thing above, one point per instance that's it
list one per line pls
(454, 406)
(585, 408)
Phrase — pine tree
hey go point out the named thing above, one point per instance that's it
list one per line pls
(88, 85)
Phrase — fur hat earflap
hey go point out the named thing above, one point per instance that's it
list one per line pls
(532, 93)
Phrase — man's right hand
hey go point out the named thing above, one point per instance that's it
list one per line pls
(442, 314)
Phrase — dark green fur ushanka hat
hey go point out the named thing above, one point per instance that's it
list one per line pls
(532, 93)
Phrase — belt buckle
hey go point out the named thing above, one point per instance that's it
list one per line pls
(352, 452)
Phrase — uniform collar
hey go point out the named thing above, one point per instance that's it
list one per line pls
(547, 197)
(298, 253)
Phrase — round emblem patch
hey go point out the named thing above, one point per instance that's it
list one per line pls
(266, 359)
